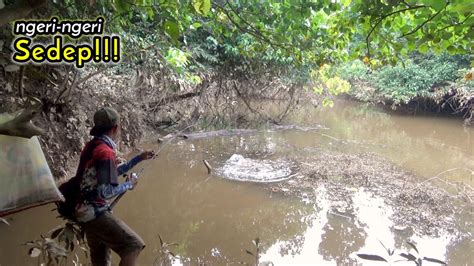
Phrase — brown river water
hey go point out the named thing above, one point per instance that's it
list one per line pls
(214, 219)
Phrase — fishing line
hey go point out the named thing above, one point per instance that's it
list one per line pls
(147, 164)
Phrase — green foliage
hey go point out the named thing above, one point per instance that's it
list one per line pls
(177, 58)
(56, 249)
(202, 7)
(354, 71)
(329, 83)
(403, 84)
(300, 34)
(414, 257)
(420, 76)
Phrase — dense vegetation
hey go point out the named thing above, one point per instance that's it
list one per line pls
(203, 60)
(301, 33)
(421, 83)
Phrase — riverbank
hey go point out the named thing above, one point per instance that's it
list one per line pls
(149, 104)
(424, 83)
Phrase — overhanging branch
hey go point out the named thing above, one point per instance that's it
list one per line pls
(252, 31)
(382, 18)
(423, 24)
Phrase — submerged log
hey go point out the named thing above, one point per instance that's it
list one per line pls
(218, 133)
(234, 132)
(208, 166)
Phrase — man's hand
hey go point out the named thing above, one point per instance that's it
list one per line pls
(147, 155)
(134, 179)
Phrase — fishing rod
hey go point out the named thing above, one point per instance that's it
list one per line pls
(137, 174)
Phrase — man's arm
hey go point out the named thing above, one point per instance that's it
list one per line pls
(125, 167)
(107, 175)
(108, 191)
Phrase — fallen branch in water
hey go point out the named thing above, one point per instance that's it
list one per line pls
(208, 166)
(456, 185)
(350, 141)
(235, 132)
(444, 172)
(4, 221)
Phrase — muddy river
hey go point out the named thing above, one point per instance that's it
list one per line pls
(214, 218)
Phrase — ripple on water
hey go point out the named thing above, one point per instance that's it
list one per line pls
(239, 168)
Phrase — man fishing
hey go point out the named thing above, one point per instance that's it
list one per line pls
(98, 173)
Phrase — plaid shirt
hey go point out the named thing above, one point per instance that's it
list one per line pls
(99, 178)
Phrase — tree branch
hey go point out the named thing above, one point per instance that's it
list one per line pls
(257, 34)
(175, 98)
(367, 39)
(423, 24)
(455, 24)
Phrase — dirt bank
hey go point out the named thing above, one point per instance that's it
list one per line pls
(148, 101)
(419, 207)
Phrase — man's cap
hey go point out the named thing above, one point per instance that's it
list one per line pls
(104, 120)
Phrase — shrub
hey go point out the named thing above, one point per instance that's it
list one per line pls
(354, 71)
(420, 76)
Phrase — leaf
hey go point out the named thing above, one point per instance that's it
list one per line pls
(413, 246)
(29, 243)
(161, 240)
(12, 68)
(423, 48)
(4, 221)
(371, 257)
(468, 76)
(34, 252)
(79, 234)
(249, 252)
(408, 256)
(346, 2)
(121, 5)
(202, 7)
(256, 241)
(196, 25)
(76, 261)
(172, 29)
(328, 103)
(438, 5)
(434, 260)
(56, 233)
(86, 252)
(318, 90)
(387, 249)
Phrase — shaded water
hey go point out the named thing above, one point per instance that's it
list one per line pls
(215, 219)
